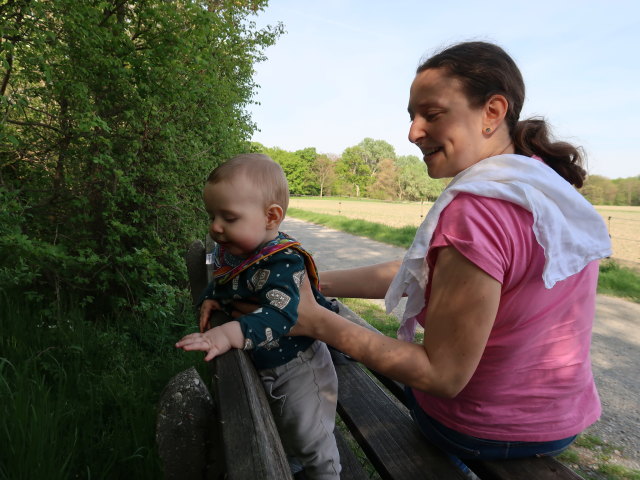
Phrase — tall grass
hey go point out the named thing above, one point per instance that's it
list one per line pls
(77, 397)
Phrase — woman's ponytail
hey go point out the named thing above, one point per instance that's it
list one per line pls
(532, 137)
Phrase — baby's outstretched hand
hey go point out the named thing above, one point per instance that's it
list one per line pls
(216, 341)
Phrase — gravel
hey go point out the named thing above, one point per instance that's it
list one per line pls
(615, 353)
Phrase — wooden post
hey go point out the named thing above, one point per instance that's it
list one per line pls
(183, 424)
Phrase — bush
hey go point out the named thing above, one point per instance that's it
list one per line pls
(113, 114)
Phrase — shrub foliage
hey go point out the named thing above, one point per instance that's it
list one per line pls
(113, 112)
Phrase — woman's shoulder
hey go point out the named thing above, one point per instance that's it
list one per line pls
(472, 208)
(491, 233)
(485, 203)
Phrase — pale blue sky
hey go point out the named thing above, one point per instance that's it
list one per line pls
(343, 69)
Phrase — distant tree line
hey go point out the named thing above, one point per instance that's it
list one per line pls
(369, 169)
(604, 191)
(372, 169)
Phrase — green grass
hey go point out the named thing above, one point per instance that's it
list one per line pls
(619, 281)
(344, 199)
(376, 317)
(78, 397)
(399, 237)
(614, 279)
(593, 459)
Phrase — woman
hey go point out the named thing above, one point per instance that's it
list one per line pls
(502, 273)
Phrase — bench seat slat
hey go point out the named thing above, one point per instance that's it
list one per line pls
(386, 434)
(351, 468)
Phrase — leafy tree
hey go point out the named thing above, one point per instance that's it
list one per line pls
(296, 165)
(308, 154)
(353, 169)
(386, 184)
(113, 112)
(303, 172)
(627, 191)
(375, 151)
(360, 164)
(599, 190)
(324, 171)
(413, 181)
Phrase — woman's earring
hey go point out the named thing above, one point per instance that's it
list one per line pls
(487, 130)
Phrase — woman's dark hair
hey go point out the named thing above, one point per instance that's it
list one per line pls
(485, 70)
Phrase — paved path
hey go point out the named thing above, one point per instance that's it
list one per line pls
(616, 335)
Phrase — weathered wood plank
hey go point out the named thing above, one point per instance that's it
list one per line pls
(351, 468)
(250, 439)
(196, 269)
(396, 388)
(387, 435)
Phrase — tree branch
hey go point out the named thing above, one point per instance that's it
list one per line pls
(108, 13)
(40, 111)
(5, 80)
(34, 124)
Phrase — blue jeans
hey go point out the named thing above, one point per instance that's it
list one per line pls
(466, 447)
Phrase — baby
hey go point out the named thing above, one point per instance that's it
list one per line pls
(246, 199)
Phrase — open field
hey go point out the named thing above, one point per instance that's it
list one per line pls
(623, 222)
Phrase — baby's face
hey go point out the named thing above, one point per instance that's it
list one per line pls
(237, 215)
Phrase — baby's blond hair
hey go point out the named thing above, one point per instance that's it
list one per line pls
(265, 174)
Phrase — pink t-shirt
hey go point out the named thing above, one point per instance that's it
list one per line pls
(534, 381)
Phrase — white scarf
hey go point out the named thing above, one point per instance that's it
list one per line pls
(565, 224)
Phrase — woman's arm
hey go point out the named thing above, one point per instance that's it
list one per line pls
(365, 282)
(462, 308)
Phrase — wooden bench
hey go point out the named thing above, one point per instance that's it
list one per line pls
(240, 440)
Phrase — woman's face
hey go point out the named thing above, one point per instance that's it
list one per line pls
(448, 131)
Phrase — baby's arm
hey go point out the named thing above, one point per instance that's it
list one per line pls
(216, 341)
